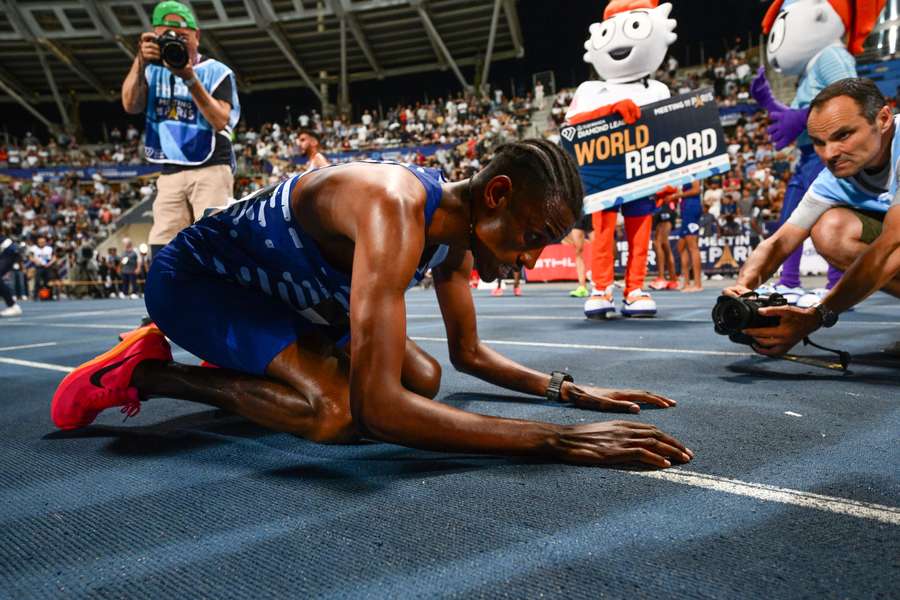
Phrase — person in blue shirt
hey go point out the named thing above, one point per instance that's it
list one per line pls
(299, 294)
(850, 211)
(190, 113)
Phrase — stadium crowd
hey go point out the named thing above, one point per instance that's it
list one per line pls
(457, 134)
(56, 226)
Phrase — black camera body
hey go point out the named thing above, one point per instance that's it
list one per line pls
(732, 316)
(172, 50)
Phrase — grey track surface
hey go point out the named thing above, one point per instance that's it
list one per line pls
(186, 502)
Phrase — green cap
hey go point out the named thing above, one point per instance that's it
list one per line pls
(173, 7)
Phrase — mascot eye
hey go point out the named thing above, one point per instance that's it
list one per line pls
(638, 26)
(603, 34)
(776, 36)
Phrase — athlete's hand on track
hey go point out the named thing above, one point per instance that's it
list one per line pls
(592, 398)
(619, 442)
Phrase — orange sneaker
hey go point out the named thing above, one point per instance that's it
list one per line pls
(105, 381)
(497, 292)
(517, 291)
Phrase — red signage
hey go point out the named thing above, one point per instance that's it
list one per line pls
(557, 263)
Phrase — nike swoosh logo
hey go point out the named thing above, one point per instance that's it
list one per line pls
(97, 376)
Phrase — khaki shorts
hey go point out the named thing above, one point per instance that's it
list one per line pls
(182, 197)
(872, 224)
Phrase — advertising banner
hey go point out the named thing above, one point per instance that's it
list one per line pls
(676, 141)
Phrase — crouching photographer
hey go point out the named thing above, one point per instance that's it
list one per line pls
(851, 211)
(191, 106)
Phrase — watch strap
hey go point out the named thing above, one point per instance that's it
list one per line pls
(827, 317)
(557, 378)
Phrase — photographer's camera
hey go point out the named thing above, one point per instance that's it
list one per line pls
(732, 316)
(173, 51)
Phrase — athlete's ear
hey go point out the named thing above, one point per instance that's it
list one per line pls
(497, 191)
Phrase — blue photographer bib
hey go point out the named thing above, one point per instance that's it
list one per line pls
(177, 132)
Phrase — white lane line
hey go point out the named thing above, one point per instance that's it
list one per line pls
(127, 327)
(791, 413)
(27, 346)
(35, 365)
(86, 313)
(595, 347)
(769, 493)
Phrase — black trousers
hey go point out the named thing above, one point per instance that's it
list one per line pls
(6, 264)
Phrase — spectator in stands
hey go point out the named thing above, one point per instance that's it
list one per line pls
(9, 256)
(198, 102)
(109, 272)
(712, 197)
(84, 273)
(44, 263)
(309, 147)
(129, 264)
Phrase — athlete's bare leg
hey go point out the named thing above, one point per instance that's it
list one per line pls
(305, 392)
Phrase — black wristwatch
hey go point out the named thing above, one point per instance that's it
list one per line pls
(556, 380)
(827, 317)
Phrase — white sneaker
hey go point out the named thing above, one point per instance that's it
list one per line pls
(122, 295)
(639, 304)
(717, 277)
(11, 311)
(599, 305)
(810, 299)
(113, 295)
(792, 295)
(133, 296)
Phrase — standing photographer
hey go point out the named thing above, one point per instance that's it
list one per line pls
(191, 106)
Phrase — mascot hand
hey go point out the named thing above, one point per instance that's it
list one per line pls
(787, 125)
(627, 109)
(762, 92)
(666, 191)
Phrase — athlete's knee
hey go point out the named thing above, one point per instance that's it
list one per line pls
(421, 372)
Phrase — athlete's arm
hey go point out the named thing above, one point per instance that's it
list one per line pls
(470, 355)
(467, 353)
(389, 242)
(389, 238)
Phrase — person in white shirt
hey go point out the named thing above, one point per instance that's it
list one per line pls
(42, 257)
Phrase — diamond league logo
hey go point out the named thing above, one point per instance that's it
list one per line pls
(568, 133)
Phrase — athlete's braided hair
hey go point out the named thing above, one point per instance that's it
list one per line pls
(542, 165)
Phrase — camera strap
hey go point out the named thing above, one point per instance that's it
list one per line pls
(843, 356)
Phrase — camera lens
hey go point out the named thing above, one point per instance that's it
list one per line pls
(174, 53)
(730, 315)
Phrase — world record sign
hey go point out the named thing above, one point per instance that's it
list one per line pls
(676, 141)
